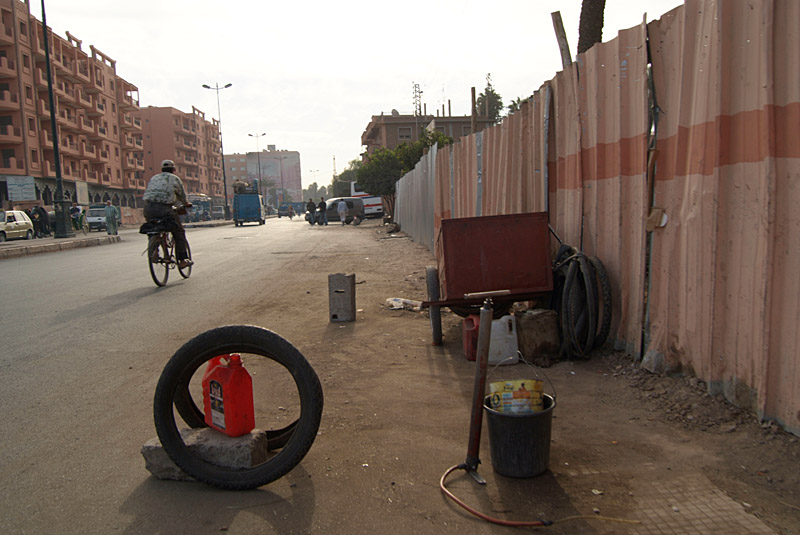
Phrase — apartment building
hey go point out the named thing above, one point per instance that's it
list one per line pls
(389, 131)
(189, 140)
(99, 139)
(280, 171)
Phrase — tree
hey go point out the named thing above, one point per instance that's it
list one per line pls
(515, 105)
(490, 103)
(590, 30)
(313, 191)
(340, 187)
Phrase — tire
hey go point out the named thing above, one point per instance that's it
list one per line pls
(29, 235)
(577, 309)
(2, 237)
(434, 311)
(158, 258)
(602, 295)
(187, 271)
(173, 388)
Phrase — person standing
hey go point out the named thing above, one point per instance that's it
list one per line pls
(36, 219)
(112, 218)
(44, 218)
(342, 209)
(323, 208)
(163, 192)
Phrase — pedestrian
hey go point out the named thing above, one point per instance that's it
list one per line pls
(322, 207)
(33, 214)
(44, 217)
(112, 218)
(342, 209)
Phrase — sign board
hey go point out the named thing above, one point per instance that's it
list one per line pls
(21, 188)
(82, 191)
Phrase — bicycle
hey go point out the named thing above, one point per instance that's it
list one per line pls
(79, 223)
(161, 253)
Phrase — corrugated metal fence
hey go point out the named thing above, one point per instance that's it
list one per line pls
(720, 297)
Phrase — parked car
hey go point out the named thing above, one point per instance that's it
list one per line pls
(217, 212)
(355, 208)
(15, 224)
(96, 217)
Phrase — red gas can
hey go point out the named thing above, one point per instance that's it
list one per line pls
(228, 396)
(469, 335)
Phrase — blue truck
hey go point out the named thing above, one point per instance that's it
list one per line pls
(248, 208)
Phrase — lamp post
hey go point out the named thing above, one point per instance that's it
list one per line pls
(63, 228)
(258, 159)
(217, 88)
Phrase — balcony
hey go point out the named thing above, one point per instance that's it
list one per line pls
(99, 132)
(84, 99)
(8, 69)
(132, 164)
(12, 166)
(81, 72)
(65, 93)
(9, 100)
(126, 122)
(68, 120)
(103, 156)
(45, 140)
(6, 35)
(85, 125)
(10, 134)
(128, 103)
(43, 108)
(96, 84)
(97, 108)
(88, 152)
(89, 175)
(68, 148)
(41, 80)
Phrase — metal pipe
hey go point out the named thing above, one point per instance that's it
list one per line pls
(481, 363)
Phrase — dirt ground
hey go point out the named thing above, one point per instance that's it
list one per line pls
(626, 444)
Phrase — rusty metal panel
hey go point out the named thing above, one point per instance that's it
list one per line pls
(505, 252)
(614, 120)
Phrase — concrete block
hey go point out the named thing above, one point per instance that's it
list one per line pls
(210, 445)
(342, 297)
(538, 335)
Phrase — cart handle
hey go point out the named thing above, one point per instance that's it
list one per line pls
(492, 293)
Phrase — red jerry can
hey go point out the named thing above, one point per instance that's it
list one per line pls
(228, 396)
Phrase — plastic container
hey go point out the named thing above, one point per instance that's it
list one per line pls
(469, 335)
(228, 396)
(504, 344)
(520, 443)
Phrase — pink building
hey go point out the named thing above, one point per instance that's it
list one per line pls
(100, 141)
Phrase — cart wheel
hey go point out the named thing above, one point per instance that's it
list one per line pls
(434, 311)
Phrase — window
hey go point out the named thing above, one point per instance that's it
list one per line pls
(23, 28)
(28, 92)
(26, 61)
(466, 130)
(34, 156)
(31, 124)
(116, 151)
(404, 132)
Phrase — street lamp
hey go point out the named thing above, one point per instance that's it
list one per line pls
(63, 227)
(258, 158)
(217, 88)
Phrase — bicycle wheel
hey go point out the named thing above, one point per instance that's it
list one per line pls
(158, 255)
(187, 271)
(249, 341)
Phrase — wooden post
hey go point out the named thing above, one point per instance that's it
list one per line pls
(474, 124)
(561, 37)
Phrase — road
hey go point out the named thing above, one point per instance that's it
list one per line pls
(85, 335)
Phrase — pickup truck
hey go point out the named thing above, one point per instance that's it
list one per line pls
(248, 208)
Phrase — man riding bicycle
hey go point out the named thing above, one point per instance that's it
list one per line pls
(163, 193)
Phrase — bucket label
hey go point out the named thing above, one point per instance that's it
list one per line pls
(217, 404)
(522, 396)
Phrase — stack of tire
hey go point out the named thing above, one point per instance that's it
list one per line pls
(582, 298)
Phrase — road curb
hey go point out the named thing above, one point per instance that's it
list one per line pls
(16, 251)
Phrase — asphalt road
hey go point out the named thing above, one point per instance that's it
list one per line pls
(85, 334)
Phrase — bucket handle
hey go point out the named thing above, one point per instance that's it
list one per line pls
(522, 358)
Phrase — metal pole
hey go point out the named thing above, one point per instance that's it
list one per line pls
(63, 227)
(217, 88)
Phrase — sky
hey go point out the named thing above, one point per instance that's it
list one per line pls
(311, 74)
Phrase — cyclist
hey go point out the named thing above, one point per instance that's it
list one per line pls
(163, 193)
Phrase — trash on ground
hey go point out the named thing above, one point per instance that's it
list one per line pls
(398, 303)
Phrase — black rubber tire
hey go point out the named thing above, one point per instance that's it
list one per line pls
(577, 309)
(434, 311)
(159, 270)
(187, 271)
(2, 237)
(173, 388)
(602, 293)
(498, 310)
(29, 235)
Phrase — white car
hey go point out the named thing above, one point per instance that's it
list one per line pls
(15, 224)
